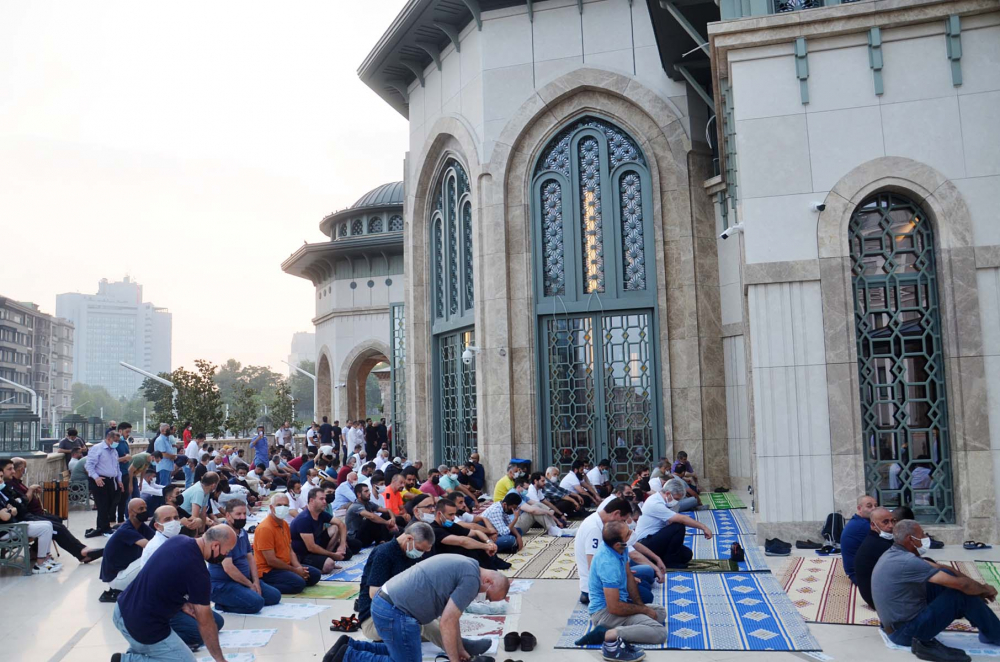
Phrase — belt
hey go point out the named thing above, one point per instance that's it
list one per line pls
(385, 596)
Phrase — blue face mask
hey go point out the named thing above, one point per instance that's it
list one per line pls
(448, 524)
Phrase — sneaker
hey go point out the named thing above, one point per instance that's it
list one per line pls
(619, 651)
(935, 651)
(44, 569)
(772, 549)
(111, 595)
(555, 531)
(117, 657)
(777, 542)
(807, 544)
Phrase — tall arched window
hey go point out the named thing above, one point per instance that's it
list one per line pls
(595, 292)
(901, 369)
(452, 306)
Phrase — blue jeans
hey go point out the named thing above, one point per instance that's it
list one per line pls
(239, 599)
(944, 605)
(686, 504)
(170, 649)
(400, 634)
(186, 627)
(645, 576)
(163, 477)
(188, 476)
(288, 582)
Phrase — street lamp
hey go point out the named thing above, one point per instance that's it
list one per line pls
(155, 378)
(34, 396)
(315, 387)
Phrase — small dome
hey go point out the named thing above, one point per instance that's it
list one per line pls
(382, 196)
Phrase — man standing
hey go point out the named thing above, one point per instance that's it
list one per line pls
(259, 446)
(276, 561)
(312, 436)
(383, 435)
(236, 587)
(661, 530)
(283, 436)
(916, 599)
(366, 521)
(105, 481)
(174, 580)
(165, 467)
(124, 461)
(70, 442)
(438, 588)
(855, 532)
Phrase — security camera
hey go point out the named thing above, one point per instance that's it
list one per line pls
(468, 354)
(730, 231)
(818, 206)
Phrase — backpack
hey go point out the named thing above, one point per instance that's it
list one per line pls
(833, 528)
(737, 553)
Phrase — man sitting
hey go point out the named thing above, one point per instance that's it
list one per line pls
(13, 509)
(431, 485)
(567, 501)
(477, 474)
(534, 513)
(367, 522)
(661, 530)
(536, 495)
(276, 560)
(588, 540)
(506, 482)
(916, 599)
(683, 470)
(394, 500)
(125, 545)
(453, 539)
(241, 479)
(573, 482)
(502, 515)
(410, 489)
(195, 501)
(236, 586)
(622, 491)
(855, 532)
(616, 608)
(166, 525)
(599, 477)
(877, 543)
(319, 539)
(345, 496)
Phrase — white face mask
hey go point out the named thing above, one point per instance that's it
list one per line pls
(481, 597)
(427, 517)
(281, 512)
(884, 535)
(171, 529)
(925, 545)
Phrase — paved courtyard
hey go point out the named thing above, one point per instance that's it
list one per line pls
(57, 618)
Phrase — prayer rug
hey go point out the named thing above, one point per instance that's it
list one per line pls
(725, 522)
(481, 506)
(351, 569)
(718, 548)
(820, 590)
(967, 641)
(245, 638)
(230, 657)
(290, 611)
(543, 557)
(721, 501)
(719, 611)
(331, 591)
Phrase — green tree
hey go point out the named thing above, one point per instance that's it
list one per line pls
(302, 391)
(243, 413)
(282, 405)
(227, 377)
(198, 398)
(89, 400)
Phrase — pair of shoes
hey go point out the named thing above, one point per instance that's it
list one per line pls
(526, 641)
(111, 595)
(968, 544)
(776, 547)
(337, 651)
(92, 533)
(592, 638)
(807, 544)
(619, 651)
(935, 651)
(585, 598)
(45, 567)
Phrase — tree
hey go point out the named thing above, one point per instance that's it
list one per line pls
(227, 377)
(302, 390)
(162, 398)
(243, 413)
(282, 405)
(198, 398)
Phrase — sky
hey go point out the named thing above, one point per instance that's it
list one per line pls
(191, 145)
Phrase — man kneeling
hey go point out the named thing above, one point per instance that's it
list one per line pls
(616, 609)
(236, 587)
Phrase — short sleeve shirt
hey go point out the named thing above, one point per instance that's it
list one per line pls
(595, 476)
(393, 501)
(427, 487)
(424, 590)
(586, 543)
(70, 444)
(195, 495)
(304, 523)
(162, 587)
(354, 519)
(500, 520)
(655, 516)
(569, 482)
(274, 535)
(899, 586)
(607, 570)
(121, 549)
(163, 445)
(503, 486)
(448, 483)
(441, 532)
(385, 562)
(238, 555)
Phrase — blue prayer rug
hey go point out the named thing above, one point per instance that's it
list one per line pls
(734, 522)
(719, 546)
(719, 611)
(351, 569)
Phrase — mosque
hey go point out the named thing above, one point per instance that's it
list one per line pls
(764, 232)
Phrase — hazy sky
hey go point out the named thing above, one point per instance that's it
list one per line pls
(192, 145)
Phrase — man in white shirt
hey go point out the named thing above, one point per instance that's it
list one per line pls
(599, 477)
(311, 435)
(622, 491)
(193, 450)
(166, 525)
(534, 512)
(571, 483)
(283, 436)
(661, 530)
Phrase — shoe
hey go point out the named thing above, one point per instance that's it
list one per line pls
(937, 544)
(555, 531)
(44, 569)
(476, 646)
(807, 544)
(777, 542)
(111, 595)
(511, 641)
(585, 598)
(593, 638)
(619, 651)
(91, 533)
(117, 657)
(336, 652)
(771, 549)
(528, 642)
(500, 564)
(722, 490)
(935, 651)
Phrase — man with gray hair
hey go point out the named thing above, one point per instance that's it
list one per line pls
(661, 529)
(917, 599)
(677, 488)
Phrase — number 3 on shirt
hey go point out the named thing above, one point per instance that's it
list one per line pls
(595, 542)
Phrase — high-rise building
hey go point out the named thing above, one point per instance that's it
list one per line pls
(36, 351)
(116, 325)
(303, 348)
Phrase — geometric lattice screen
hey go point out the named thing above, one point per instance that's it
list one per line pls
(398, 365)
(457, 396)
(901, 368)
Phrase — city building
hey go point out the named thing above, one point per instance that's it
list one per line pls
(36, 351)
(759, 231)
(116, 325)
(303, 349)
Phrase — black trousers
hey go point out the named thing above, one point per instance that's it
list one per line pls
(62, 536)
(124, 497)
(370, 533)
(668, 544)
(106, 499)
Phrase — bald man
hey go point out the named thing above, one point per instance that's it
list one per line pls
(173, 589)
(877, 543)
(126, 544)
(166, 525)
(855, 532)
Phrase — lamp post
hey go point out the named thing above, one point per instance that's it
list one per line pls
(310, 376)
(34, 396)
(155, 378)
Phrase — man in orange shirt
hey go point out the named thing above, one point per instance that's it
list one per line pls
(277, 564)
(394, 500)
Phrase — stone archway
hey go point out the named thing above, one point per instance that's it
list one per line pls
(354, 372)
(324, 378)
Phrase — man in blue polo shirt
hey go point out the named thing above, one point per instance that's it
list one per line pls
(174, 580)
(236, 587)
(855, 532)
(259, 446)
(165, 467)
(616, 609)
(126, 544)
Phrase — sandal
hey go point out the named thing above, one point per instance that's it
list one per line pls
(827, 550)
(345, 624)
(972, 544)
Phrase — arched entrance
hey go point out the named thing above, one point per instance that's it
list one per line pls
(354, 378)
(324, 375)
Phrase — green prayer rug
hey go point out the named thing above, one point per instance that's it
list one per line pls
(330, 591)
(708, 565)
(721, 501)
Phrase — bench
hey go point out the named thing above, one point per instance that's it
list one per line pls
(79, 494)
(15, 547)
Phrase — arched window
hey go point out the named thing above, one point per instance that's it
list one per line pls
(901, 368)
(374, 224)
(357, 227)
(396, 223)
(343, 230)
(595, 289)
(452, 306)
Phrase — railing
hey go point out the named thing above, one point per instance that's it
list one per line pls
(730, 9)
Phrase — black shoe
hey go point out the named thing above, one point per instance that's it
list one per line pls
(585, 598)
(111, 595)
(771, 549)
(91, 533)
(807, 544)
(117, 657)
(500, 564)
(935, 651)
(936, 544)
(776, 542)
(336, 653)
(476, 646)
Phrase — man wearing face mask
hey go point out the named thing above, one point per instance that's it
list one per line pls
(877, 543)
(236, 587)
(573, 483)
(506, 482)
(277, 562)
(661, 530)
(172, 592)
(367, 522)
(387, 561)
(127, 543)
(453, 539)
(917, 599)
(432, 484)
(534, 513)
(345, 495)
(166, 525)
(502, 514)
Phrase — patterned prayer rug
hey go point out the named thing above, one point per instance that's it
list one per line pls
(820, 590)
(721, 501)
(331, 591)
(351, 569)
(718, 548)
(714, 611)
(727, 522)
(543, 557)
